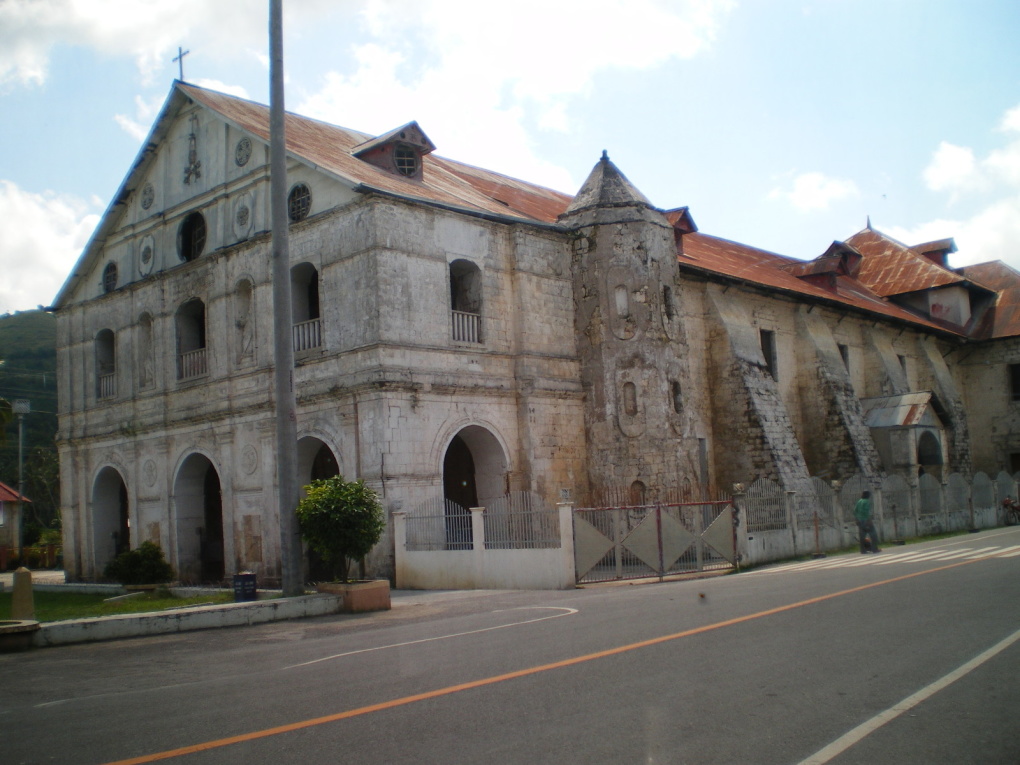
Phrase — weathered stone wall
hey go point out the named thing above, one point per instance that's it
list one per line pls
(993, 415)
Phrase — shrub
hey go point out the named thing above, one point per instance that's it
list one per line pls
(143, 565)
(341, 520)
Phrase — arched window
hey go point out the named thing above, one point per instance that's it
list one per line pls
(191, 237)
(110, 277)
(191, 347)
(106, 364)
(466, 301)
(630, 406)
(622, 301)
(299, 202)
(637, 493)
(667, 302)
(677, 396)
(304, 287)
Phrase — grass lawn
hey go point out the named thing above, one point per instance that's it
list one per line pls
(57, 606)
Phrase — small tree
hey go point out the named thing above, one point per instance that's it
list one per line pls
(341, 520)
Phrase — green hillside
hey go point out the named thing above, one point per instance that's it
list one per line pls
(28, 370)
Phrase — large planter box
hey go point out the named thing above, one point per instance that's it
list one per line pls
(359, 597)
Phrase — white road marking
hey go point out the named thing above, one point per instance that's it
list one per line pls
(566, 612)
(886, 559)
(865, 729)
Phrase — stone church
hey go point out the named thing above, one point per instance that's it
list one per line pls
(460, 334)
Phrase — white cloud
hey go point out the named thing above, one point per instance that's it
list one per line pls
(991, 234)
(991, 185)
(145, 112)
(815, 191)
(458, 68)
(42, 237)
(146, 30)
(234, 90)
(953, 168)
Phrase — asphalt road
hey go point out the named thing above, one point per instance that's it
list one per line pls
(903, 657)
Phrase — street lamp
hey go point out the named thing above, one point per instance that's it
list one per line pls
(21, 407)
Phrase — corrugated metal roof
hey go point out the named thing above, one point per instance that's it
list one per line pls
(741, 261)
(892, 268)
(904, 410)
(444, 181)
(1004, 318)
(7, 494)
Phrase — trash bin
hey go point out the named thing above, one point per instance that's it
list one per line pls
(244, 586)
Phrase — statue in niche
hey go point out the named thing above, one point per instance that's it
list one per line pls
(193, 170)
(244, 323)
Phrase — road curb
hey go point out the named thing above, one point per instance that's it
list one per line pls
(184, 620)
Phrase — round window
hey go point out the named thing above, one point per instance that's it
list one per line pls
(299, 202)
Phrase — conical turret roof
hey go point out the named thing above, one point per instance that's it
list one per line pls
(606, 187)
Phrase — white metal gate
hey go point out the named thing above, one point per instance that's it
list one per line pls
(653, 540)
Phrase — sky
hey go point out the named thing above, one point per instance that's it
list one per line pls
(783, 124)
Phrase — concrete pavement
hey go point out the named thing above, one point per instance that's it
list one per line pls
(266, 609)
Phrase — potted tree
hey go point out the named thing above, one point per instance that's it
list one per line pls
(342, 521)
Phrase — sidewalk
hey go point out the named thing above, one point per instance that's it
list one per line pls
(204, 617)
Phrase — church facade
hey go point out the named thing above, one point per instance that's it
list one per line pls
(459, 335)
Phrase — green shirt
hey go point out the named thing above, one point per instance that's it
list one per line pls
(862, 510)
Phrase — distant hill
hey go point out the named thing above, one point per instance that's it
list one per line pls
(28, 348)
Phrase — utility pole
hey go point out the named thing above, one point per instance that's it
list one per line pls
(283, 343)
(21, 407)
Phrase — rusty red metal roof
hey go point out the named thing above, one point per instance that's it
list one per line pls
(767, 269)
(329, 148)
(892, 268)
(7, 494)
(1004, 318)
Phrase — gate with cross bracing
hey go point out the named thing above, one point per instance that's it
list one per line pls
(661, 539)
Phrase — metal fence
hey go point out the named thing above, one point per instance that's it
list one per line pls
(637, 541)
(439, 524)
(519, 520)
(764, 507)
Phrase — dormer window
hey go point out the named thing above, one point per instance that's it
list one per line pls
(398, 152)
(405, 159)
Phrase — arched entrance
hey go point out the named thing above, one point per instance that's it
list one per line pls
(199, 505)
(929, 454)
(474, 474)
(316, 461)
(111, 523)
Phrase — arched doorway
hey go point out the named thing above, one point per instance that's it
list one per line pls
(111, 522)
(474, 474)
(929, 454)
(316, 461)
(199, 505)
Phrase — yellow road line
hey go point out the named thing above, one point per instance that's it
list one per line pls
(449, 690)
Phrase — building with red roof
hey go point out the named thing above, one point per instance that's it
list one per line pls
(460, 335)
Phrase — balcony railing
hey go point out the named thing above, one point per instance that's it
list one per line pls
(108, 385)
(467, 327)
(307, 335)
(192, 364)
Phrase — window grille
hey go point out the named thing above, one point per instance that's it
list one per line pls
(299, 203)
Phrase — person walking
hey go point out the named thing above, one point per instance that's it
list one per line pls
(865, 525)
